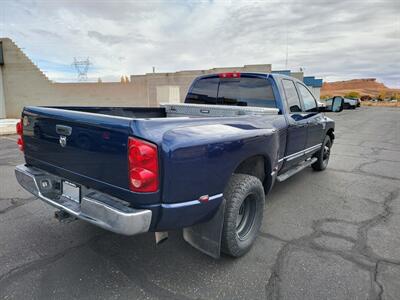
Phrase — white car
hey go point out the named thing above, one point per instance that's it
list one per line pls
(350, 103)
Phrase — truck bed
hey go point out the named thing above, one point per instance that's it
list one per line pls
(95, 153)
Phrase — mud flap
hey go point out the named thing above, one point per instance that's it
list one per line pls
(206, 237)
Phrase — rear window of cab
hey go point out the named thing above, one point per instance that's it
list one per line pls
(242, 91)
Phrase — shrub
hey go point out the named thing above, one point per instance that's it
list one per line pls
(352, 95)
(325, 97)
(365, 98)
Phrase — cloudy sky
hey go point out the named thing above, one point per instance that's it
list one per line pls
(334, 40)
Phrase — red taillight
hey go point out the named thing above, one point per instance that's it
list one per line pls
(229, 75)
(20, 131)
(143, 166)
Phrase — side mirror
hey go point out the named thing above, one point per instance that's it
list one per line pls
(334, 104)
(337, 104)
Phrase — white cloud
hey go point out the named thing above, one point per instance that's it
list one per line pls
(330, 39)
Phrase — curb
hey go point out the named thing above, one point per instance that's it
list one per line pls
(7, 126)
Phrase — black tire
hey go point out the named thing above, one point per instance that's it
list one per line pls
(323, 155)
(245, 199)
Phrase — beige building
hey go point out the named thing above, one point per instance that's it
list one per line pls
(180, 81)
(22, 83)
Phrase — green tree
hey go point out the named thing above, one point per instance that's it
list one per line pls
(352, 95)
(382, 95)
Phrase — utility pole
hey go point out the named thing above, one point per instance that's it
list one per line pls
(287, 49)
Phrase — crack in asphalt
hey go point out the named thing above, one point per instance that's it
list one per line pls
(368, 224)
(360, 254)
(376, 273)
(271, 236)
(375, 151)
(380, 293)
(383, 148)
(15, 203)
(40, 263)
(357, 172)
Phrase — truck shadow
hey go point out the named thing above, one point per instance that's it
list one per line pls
(176, 270)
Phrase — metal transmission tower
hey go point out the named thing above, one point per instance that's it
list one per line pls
(82, 68)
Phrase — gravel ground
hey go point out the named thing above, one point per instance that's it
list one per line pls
(326, 235)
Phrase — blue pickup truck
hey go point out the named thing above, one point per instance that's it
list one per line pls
(203, 166)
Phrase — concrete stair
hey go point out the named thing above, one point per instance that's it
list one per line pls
(26, 60)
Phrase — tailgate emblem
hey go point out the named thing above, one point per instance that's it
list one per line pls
(63, 141)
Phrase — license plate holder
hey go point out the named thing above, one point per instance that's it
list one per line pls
(71, 191)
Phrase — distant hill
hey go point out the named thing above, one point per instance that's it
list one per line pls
(366, 86)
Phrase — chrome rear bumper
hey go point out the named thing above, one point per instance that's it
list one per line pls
(95, 207)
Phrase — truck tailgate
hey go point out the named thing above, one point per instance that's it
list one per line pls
(78, 144)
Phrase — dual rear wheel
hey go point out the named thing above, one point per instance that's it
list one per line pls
(243, 214)
(244, 210)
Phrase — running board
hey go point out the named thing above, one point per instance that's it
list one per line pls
(296, 169)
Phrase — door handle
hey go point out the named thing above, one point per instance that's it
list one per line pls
(63, 130)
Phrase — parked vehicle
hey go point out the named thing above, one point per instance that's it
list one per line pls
(204, 166)
(350, 103)
(321, 104)
(347, 102)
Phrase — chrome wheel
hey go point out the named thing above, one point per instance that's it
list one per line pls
(326, 152)
(245, 217)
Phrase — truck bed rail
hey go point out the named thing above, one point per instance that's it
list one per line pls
(202, 110)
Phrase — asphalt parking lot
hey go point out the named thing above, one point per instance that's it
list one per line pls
(326, 235)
